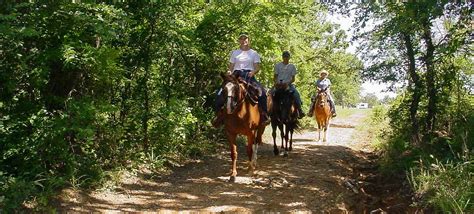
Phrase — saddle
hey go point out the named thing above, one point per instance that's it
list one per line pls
(253, 91)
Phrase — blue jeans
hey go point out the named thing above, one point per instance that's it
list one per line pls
(296, 95)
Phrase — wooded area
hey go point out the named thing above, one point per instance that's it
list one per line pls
(89, 88)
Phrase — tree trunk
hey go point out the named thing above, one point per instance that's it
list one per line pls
(146, 96)
(415, 88)
(430, 77)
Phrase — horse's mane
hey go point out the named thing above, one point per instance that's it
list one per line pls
(229, 78)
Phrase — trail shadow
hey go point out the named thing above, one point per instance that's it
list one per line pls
(309, 179)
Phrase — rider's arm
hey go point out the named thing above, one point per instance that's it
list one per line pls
(293, 79)
(256, 68)
(230, 68)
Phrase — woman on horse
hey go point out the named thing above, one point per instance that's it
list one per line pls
(323, 84)
(284, 73)
(245, 63)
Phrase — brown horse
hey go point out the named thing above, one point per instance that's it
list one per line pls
(241, 116)
(322, 112)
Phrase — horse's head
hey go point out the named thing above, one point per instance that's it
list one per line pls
(322, 98)
(231, 91)
(282, 104)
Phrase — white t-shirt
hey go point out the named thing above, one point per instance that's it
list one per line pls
(243, 60)
(323, 84)
(285, 73)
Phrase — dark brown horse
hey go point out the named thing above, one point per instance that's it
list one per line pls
(284, 115)
(241, 116)
(322, 112)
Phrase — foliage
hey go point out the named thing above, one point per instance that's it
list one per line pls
(91, 88)
(371, 99)
(421, 47)
(449, 185)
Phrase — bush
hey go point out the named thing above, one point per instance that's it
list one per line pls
(449, 186)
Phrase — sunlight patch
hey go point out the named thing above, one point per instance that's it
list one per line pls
(294, 204)
(228, 208)
(238, 180)
(187, 196)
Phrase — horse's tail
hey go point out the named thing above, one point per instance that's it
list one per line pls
(297, 126)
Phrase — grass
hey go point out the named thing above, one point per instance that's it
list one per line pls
(447, 185)
(343, 113)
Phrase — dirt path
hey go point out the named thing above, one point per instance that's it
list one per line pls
(337, 177)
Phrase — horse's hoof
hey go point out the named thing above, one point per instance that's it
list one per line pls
(276, 152)
(285, 155)
(251, 172)
(232, 179)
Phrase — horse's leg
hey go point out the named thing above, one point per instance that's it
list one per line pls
(282, 134)
(291, 138)
(325, 131)
(254, 154)
(287, 130)
(233, 155)
(275, 147)
(250, 151)
(319, 131)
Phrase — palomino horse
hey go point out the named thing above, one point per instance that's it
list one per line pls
(322, 112)
(284, 114)
(241, 116)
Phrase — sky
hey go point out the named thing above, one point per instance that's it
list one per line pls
(367, 87)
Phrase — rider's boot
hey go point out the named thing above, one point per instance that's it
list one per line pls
(333, 108)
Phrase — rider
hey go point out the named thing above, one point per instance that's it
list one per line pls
(244, 62)
(285, 73)
(323, 83)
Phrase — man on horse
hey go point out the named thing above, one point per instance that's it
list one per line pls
(322, 85)
(284, 74)
(244, 63)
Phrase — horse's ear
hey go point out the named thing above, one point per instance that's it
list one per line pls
(235, 75)
(223, 75)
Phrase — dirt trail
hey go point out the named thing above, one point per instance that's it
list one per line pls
(335, 177)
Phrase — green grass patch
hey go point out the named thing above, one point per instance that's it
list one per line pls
(449, 186)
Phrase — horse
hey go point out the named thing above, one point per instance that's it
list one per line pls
(241, 116)
(322, 113)
(284, 114)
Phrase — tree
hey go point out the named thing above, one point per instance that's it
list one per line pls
(401, 45)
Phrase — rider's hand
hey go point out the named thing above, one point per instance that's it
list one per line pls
(251, 74)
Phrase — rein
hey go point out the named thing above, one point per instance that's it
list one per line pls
(240, 98)
(244, 86)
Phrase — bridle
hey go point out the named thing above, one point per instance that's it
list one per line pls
(237, 97)
(319, 98)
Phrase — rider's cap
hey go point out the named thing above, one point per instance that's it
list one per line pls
(286, 54)
(324, 72)
(244, 35)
